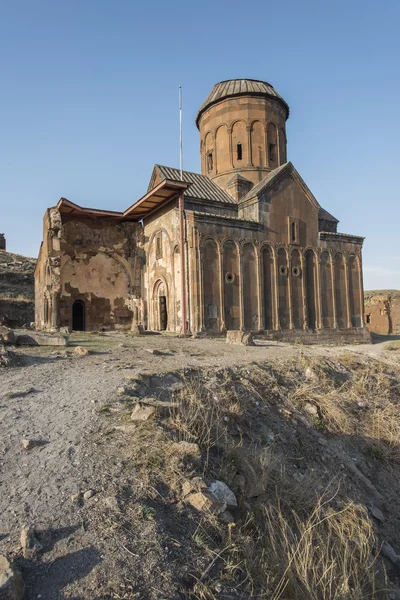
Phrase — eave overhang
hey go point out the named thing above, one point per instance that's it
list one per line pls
(161, 194)
(70, 209)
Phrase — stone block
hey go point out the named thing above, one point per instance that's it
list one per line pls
(41, 339)
(243, 338)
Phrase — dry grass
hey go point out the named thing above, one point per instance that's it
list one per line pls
(322, 554)
(393, 346)
(291, 539)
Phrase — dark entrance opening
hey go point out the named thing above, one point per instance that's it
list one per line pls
(163, 312)
(78, 316)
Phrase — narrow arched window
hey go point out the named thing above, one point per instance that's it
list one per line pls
(210, 161)
(239, 152)
(159, 251)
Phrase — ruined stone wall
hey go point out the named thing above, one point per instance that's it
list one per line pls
(16, 289)
(100, 267)
(94, 263)
(2, 242)
(382, 312)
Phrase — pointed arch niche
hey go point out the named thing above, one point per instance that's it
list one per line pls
(211, 279)
(250, 288)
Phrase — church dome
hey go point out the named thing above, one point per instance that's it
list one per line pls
(240, 87)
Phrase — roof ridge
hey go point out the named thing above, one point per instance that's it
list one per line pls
(185, 171)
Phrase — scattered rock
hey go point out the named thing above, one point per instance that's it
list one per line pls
(8, 335)
(122, 390)
(81, 351)
(239, 337)
(206, 502)
(66, 330)
(113, 502)
(377, 513)
(28, 444)
(11, 583)
(153, 351)
(29, 544)
(226, 517)
(223, 493)
(142, 412)
(388, 551)
(311, 409)
(322, 441)
(88, 494)
(197, 484)
(5, 358)
(309, 374)
(76, 498)
(128, 428)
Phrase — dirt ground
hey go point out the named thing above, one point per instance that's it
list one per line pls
(61, 399)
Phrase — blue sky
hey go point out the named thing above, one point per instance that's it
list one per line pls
(89, 102)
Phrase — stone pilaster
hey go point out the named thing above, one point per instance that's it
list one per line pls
(250, 151)
(201, 290)
(346, 285)
(241, 290)
(275, 295)
(230, 146)
(304, 291)
(289, 290)
(317, 295)
(260, 294)
(222, 326)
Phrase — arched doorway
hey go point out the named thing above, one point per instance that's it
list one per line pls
(78, 316)
(160, 307)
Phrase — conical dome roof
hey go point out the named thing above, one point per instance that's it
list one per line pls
(240, 87)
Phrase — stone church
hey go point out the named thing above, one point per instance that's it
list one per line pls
(244, 245)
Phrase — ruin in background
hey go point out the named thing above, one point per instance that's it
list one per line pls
(382, 312)
(16, 288)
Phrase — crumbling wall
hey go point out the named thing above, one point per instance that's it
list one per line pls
(100, 266)
(16, 289)
(382, 312)
(2, 242)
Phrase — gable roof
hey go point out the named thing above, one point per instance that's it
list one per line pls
(274, 176)
(201, 186)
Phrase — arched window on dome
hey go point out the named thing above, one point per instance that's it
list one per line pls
(272, 145)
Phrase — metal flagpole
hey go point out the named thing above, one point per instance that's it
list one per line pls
(182, 227)
(180, 133)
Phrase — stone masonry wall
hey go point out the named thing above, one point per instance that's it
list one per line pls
(382, 312)
(16, 289)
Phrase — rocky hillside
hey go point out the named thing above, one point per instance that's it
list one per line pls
(16, 289)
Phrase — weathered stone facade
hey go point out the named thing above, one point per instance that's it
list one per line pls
(382, 312)
(243, 246)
